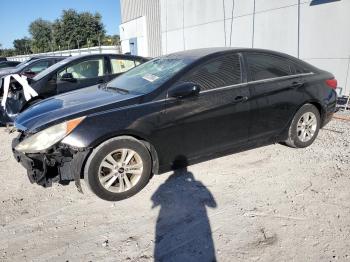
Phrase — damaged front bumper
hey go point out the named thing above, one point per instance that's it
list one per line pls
(61, 164)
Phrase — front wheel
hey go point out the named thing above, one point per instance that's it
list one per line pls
(304, 127)
(118, 168)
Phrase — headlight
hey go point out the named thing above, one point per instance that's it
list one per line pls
(48, 137)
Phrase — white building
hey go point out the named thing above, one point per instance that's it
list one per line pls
(316, 31)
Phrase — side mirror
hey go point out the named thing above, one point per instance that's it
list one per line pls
(68, 77)
(184, 90)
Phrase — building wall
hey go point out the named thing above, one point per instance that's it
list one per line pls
(133, 10)
(136, 28)
(321, 35)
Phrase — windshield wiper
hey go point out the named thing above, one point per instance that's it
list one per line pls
(117, 89)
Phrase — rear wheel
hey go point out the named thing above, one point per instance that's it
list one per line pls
(304, 127)
(119, 168)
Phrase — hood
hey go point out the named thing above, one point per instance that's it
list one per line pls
(71, 105)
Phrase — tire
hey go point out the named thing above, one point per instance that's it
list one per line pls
(304, 127)
(129, 178)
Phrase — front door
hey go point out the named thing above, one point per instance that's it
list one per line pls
(215, 120)
(86, 72)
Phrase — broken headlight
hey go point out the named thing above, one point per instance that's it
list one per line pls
(48, 137)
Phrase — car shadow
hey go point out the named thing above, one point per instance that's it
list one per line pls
(183, 231)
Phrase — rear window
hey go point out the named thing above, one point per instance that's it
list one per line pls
(121, 65)
(263, 66)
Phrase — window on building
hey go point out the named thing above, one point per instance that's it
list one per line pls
(219, 72)
(263, 66)
(320, 2)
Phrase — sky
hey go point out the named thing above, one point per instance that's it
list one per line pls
(17, 15)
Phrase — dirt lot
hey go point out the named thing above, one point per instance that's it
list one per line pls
(269, 204)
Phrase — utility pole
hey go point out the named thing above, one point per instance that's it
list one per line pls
(346, 85)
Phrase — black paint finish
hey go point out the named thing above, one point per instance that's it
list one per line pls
(197, 127)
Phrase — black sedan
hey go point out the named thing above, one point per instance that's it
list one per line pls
(68, 75)
(178, 109)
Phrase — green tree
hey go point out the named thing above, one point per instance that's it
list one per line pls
(41, 32)
(111, 40)
(75, 29)
(65, 29)
(22, 46)
(7, 52)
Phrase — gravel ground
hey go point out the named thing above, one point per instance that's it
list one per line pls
(268, 204)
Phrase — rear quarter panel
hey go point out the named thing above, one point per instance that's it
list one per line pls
(322, 96)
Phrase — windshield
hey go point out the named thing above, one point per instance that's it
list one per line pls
(22, 65)
(149, 76)
(51, 69)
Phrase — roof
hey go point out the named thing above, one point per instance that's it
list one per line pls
(108, 54)
(195, 54)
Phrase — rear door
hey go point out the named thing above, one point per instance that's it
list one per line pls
(86, 72)
(217, 118)
(276, 93)
(119, 65)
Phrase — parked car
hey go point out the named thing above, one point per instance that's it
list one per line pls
(9, 64)
(31, 67)
(3, 59)
(184, 107)
(70, 74)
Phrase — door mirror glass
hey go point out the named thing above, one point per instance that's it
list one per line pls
(68, 77)
(184, 90)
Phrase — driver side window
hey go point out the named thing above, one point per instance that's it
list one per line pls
(85, 69)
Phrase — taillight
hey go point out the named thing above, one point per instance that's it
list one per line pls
(332, 83)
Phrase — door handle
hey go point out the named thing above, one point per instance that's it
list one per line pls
(297, 84)
(241, 99)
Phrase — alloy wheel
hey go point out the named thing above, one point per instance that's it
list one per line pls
(307, 126)
(120, 170)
